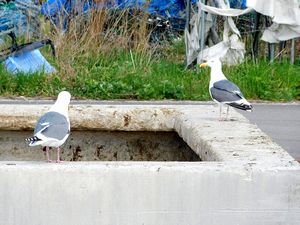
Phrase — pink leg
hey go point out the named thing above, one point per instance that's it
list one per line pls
(227, 113)
(47, 154)
(220, 116)
(58, 156)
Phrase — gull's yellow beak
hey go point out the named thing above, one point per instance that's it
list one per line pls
(203, 65)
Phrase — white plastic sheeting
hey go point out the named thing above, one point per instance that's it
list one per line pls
(230, 50)
(192, 39)
(285, 16)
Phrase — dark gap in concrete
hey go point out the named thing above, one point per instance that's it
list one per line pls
(102, 146)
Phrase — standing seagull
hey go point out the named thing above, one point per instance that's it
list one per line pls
(224, 91)
(53, 128)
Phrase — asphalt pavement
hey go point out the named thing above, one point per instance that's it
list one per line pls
(281, 122)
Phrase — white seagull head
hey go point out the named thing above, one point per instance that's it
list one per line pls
(216, 72)
(62, 103)
(212, 63)
(64, 98)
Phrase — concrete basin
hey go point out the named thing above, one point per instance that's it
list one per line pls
(243, 178)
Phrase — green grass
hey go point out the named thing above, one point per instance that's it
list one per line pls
(265, 81)
(132, 75)
(94, 62)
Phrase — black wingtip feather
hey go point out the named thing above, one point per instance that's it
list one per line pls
(241, 106)
(33, 139)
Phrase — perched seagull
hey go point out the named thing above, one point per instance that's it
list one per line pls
(53, 128)
(224, 91)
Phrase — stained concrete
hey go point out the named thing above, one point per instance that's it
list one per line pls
(101, 146)
(279, 120)
(198, 125)
(246, 179)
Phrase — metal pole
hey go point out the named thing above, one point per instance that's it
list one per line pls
(202, 30)
(271, 47)
(187, 27)
(188, 14)
(271, 52)
(255, 45)
(293, 51)
(282, 46)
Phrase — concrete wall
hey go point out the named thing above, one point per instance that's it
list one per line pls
(34, 193)
(198, 125)
(101, 146)
(249, 180)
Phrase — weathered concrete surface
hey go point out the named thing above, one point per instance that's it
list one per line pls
(254, 181)
(279, 120)
(101, 146)
(234, 140)
(198, 125)
(128, 193)
(94, 117)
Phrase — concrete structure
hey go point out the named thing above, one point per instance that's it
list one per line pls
(245, 178)
(148, 193)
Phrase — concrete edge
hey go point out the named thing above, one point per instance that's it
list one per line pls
(229, 141)
(238, 167)
(46, 101)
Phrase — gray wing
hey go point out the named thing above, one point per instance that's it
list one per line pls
(225, 91)
(53, 125)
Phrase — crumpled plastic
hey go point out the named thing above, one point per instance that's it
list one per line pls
(285, 16)
(230, 50)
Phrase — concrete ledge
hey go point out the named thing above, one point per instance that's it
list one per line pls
(94, 117)
(198, 125)
(128, 193)
(249, 180)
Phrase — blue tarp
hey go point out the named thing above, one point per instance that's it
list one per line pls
(165, 8)
(53, 8)
(28, 62)
(238, 4)
(162, 7)
(170, 9)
